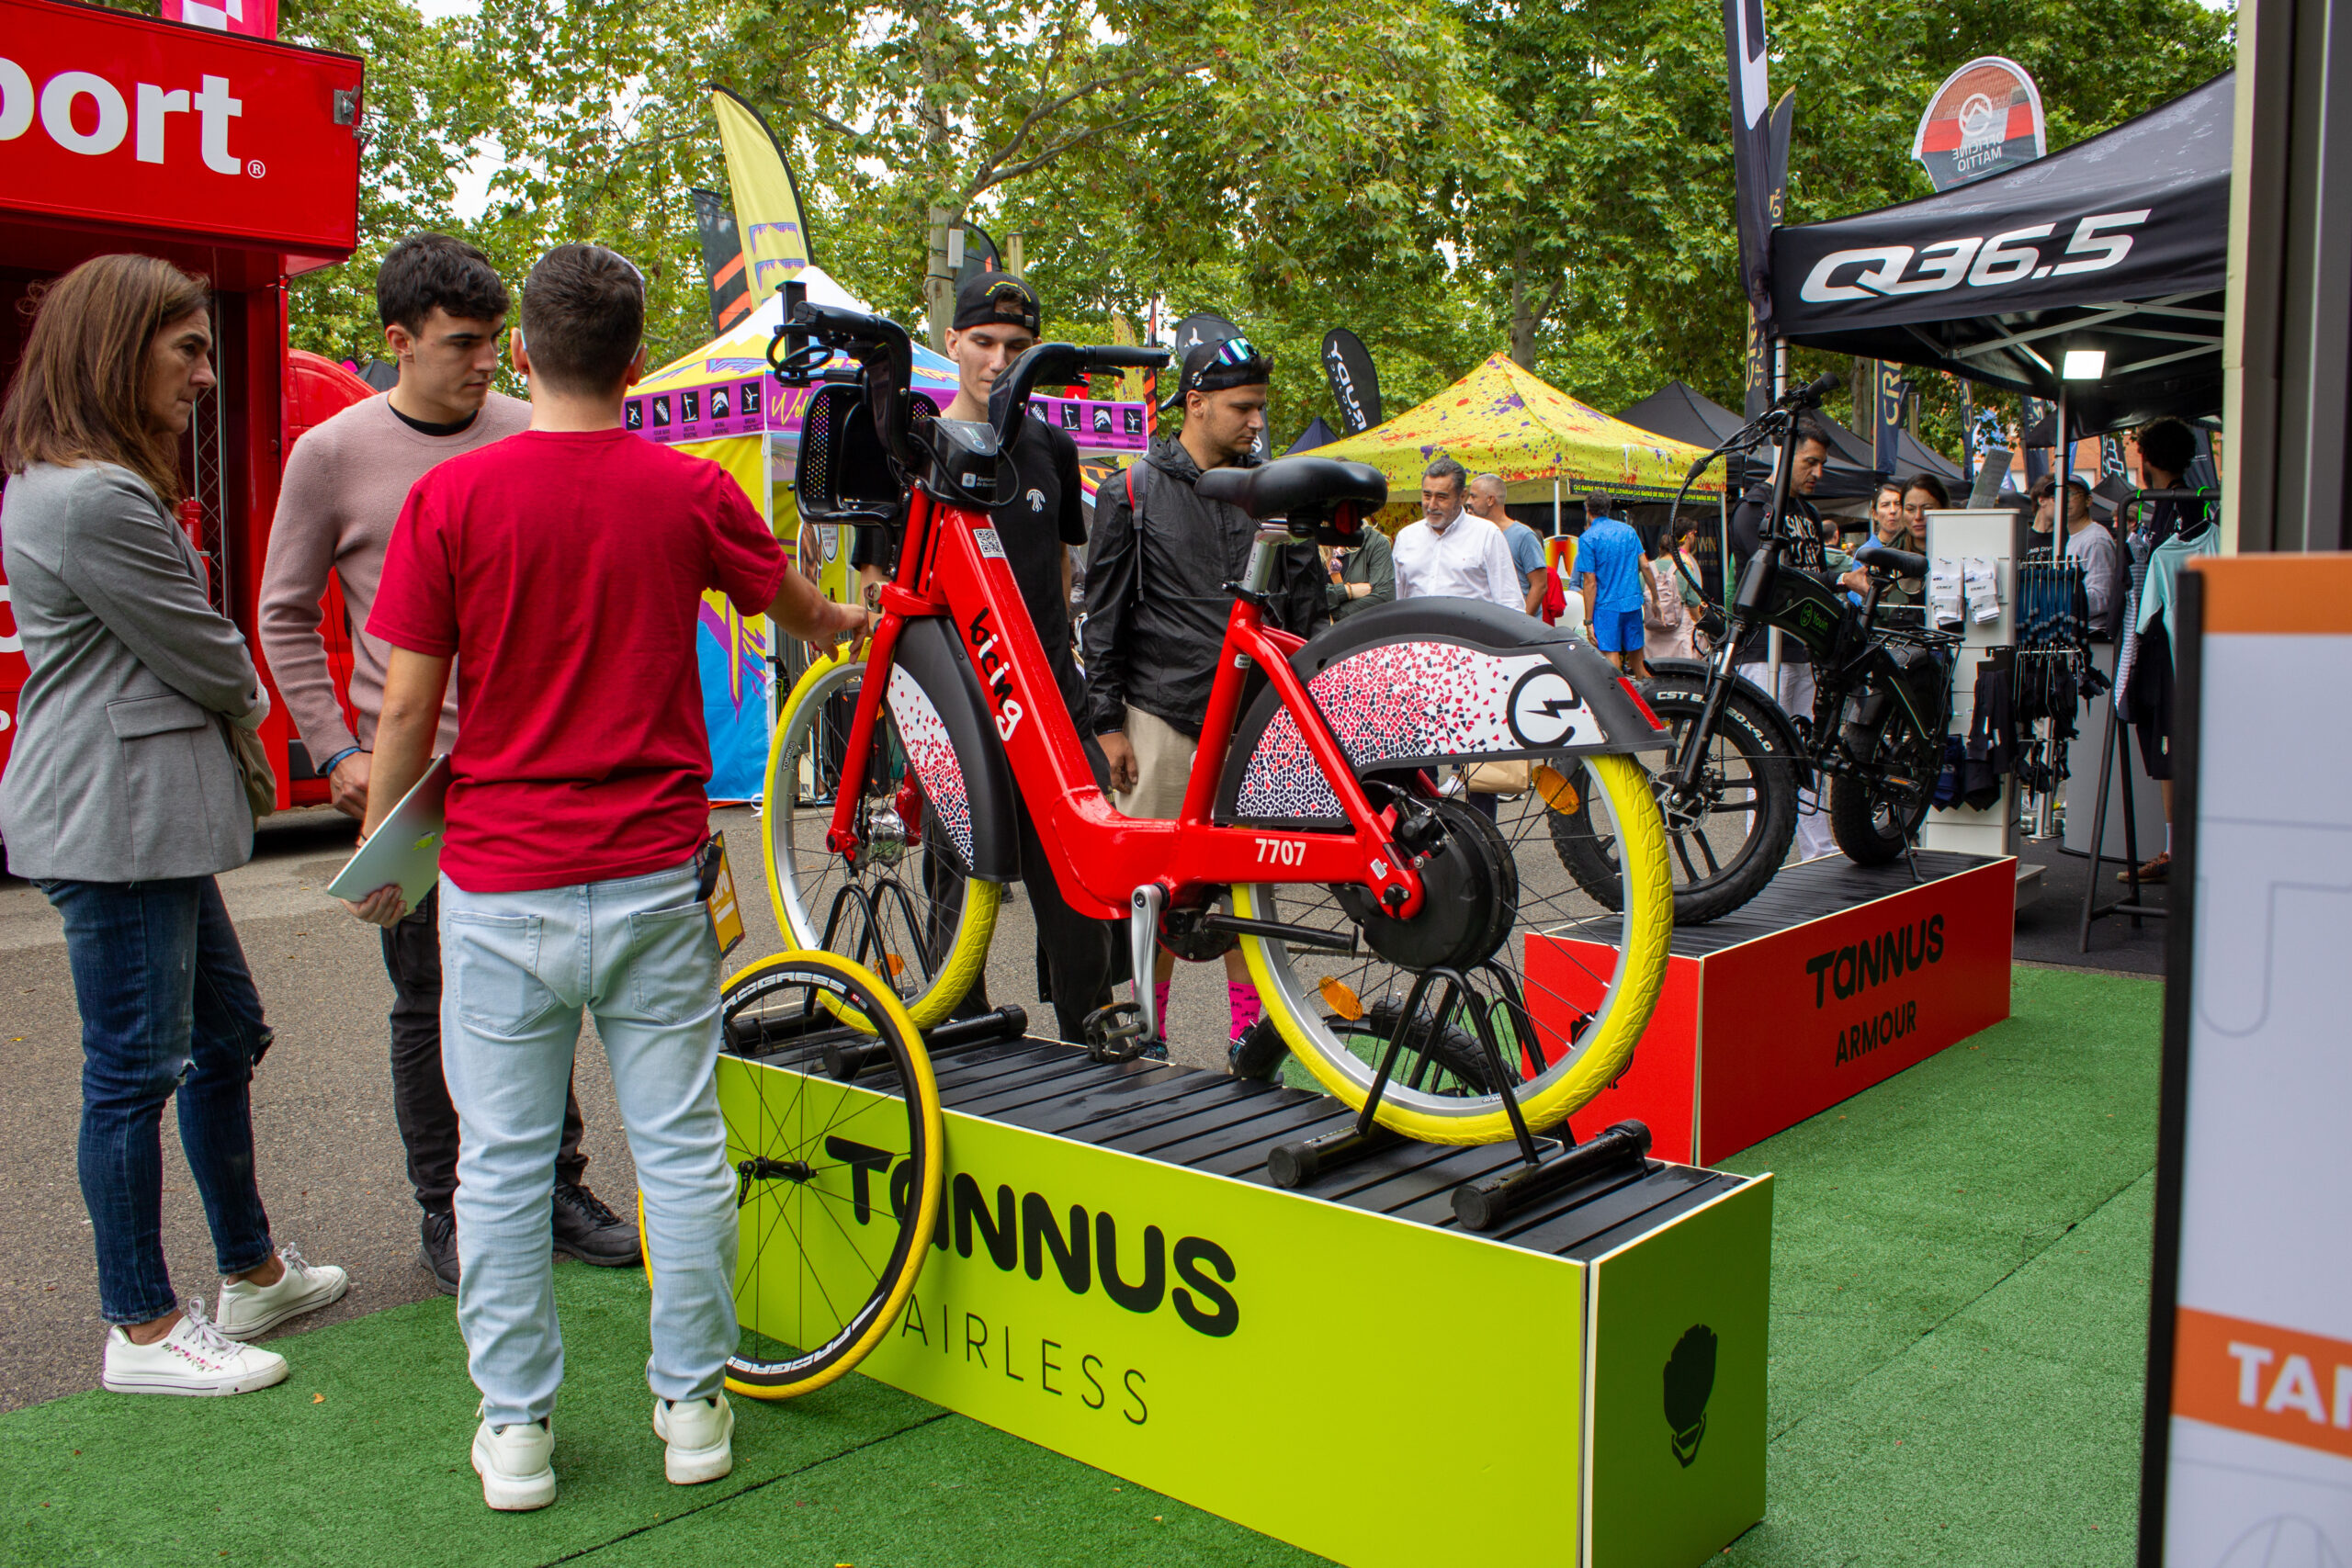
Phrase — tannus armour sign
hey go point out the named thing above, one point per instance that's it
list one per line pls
(121, 119)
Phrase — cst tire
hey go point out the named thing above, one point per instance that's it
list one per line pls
(1870, 827)
(1726, 855)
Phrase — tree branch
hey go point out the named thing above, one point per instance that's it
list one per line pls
(993, 171)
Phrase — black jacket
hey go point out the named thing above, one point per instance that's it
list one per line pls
(1746, 533)
(1156, 596)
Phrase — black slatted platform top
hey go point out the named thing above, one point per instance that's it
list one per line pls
(1830, 886)
(1212, 1122)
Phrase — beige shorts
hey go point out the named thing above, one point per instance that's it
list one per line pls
(1164, 767)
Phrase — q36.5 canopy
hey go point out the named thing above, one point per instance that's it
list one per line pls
(2119, 245)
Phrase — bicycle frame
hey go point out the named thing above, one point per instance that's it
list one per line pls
(951, 565)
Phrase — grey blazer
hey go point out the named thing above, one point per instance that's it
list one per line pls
(121, 770)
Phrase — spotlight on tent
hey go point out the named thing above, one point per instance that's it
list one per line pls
(2084, 365)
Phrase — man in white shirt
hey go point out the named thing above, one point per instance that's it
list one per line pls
(1441, 557)
(2089, 542)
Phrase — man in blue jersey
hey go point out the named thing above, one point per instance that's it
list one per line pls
(1608, 570)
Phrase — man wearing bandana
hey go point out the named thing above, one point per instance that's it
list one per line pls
(997, 318)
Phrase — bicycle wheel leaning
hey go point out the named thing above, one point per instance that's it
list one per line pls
(1560, 986)
(1730, 843)
(903, 905)
(834, 1131)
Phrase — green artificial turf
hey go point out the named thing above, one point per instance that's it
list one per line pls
(1959, 1304)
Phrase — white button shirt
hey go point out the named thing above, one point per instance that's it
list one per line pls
(1468, 558)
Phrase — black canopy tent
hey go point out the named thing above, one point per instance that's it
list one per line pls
(1676, 410)
(2120, 243)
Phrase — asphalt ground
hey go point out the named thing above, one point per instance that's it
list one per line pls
(328, 1154)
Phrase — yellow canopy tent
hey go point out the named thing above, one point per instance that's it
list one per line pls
(1502, 420)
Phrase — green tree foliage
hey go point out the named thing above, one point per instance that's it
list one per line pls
(1449, 178)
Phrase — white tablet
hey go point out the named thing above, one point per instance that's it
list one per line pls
(406, 847)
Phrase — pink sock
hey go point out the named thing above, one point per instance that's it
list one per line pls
(1160, 1001)
(1241, 998)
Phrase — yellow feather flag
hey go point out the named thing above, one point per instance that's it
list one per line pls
(767, 207)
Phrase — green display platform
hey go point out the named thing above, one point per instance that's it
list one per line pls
(1339, 1368)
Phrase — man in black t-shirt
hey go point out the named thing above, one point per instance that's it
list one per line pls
(1794, 691)
(997, 318)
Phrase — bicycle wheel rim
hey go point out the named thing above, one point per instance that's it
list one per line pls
(827, 1255)
(1701, 860)
(1577, 1063)
(916, 921)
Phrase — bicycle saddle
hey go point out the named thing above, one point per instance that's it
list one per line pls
(1902, 563)
(1297, 486)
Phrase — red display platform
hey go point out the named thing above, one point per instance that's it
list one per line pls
(1835, 977)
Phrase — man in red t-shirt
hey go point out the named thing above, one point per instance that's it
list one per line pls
(563, 569)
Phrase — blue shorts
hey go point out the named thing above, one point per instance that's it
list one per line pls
(1617, 631)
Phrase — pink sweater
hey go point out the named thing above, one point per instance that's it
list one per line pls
(344, 484)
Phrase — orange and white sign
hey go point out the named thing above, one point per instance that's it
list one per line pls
(2256, 1425)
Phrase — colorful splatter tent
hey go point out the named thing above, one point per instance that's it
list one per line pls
(1503, 420)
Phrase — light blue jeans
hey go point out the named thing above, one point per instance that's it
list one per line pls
(639, 955)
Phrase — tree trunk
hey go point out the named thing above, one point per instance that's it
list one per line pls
(1523, 319)
(938, 281)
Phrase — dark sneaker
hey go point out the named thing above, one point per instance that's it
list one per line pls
(1257, 1052)
(587, 1230)
(439, 1253)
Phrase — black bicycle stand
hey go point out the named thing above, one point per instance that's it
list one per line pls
(845, 1058)
(1487, 1202)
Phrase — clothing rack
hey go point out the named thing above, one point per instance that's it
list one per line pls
(2140, 543)
(2051, 672)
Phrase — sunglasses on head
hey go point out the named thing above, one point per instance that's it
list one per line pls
(1237, 350)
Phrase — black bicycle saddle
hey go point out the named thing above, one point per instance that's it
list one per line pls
(1902, 563)
(1297, 485)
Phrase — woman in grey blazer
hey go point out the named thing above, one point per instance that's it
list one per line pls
(121, 800)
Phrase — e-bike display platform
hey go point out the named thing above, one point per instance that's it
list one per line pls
(1835, 977)
(1341, 1366)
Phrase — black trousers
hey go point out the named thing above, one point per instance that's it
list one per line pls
(428, 1122)
(1079, 958)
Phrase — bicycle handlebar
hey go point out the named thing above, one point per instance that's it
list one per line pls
(1056, 364)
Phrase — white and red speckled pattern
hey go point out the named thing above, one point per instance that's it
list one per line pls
(924, 735)
(1413, 699)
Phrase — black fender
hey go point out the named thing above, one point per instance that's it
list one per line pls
(1694, 672)
(951, 745)
(1424, 681)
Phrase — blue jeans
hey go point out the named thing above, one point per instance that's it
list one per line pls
(168, 1009)
(519, 968)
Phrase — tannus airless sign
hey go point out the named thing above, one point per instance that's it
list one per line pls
(1270, 1357)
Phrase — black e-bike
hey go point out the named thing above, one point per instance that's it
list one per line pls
(1729, 788)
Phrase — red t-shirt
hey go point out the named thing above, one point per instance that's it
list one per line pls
(565, 571)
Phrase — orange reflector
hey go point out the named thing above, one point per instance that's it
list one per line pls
(1557, 792)
(898, 964)
(1339, 1000)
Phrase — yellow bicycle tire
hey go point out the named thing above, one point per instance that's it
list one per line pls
(968, 953)
(921, 1086)
(1640, 974)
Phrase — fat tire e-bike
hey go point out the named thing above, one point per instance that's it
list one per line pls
(1729, 790)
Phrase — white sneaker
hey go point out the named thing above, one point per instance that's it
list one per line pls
(516, 1464)
(701, 1438)
(194, 1358)
(248, 1309)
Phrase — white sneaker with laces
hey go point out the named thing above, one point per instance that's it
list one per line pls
(700, 1435)
(194, 1358)
(248, 1309)
(516, 1464)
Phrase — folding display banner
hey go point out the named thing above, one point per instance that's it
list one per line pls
(767, 204)
(1886, 430)
(1748, 71)
(2118, 244)
(1355, 381)
(722, 259)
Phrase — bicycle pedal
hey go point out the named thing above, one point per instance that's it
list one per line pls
(1115, 1034)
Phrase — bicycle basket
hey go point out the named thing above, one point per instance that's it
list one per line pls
(845, 476)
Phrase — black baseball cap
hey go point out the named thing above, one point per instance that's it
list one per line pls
(1215, 364)
(997, 298)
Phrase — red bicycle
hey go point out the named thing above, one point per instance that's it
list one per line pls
(1420, 967)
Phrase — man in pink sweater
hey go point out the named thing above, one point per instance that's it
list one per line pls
(443, 311)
